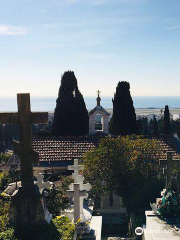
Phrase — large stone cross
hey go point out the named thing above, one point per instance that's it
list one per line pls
(77, 194)
(76, 168)
(24, 118)
(168, 164)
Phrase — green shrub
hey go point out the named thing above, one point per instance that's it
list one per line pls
(8, 235)
(59, 229)
(4, 212)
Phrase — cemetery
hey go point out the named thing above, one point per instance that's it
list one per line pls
(96, 186)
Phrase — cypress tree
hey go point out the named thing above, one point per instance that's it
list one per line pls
(150, 127)
(167, 129)
(155, 127)
(70, 116)
(124, 116)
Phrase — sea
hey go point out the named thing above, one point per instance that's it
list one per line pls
(48, 103)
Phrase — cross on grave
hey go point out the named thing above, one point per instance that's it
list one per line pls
(87, 187)
(168, 164)
(24, 118)
(77, 194)
(41, 184)
(27, 206)
(76, 167)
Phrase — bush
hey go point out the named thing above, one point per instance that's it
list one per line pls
(4, 212)
(59, 229)
(4, 157)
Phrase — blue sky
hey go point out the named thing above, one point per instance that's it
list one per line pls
(102, 41)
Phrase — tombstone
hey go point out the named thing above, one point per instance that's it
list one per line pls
(168, 168)
(76, 193)
(87, 187)
(76, 168)
(79, 179)
(27, 203)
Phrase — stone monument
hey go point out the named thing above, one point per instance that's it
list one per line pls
(27, 203)
(78, 190)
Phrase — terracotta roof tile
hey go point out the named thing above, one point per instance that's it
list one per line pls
(67, 148)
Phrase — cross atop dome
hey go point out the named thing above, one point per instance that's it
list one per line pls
(98, 98)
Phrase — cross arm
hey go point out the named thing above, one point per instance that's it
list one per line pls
(70, 193)
(39, 117)
(9, 118)
(162, 162)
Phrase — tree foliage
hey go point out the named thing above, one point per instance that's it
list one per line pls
(120, 165)
(57, 199)
(124, 116)
(167, 129)
(71, 115)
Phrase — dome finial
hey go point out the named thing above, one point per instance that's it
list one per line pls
(98, 98)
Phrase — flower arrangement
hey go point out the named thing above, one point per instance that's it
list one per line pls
(169, 205)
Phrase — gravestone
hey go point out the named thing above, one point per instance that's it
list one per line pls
(87, 187)
(168, 168)
(27, 203)
(79, 179)
(76, 168)
(76, 193)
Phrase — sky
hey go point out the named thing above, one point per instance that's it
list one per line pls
(102, 41)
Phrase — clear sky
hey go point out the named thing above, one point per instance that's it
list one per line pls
(102, 41)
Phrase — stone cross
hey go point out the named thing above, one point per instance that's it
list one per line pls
(41, 184)
(77, 194)
(75, 168)
(98, 98)
(168, 163)
(24, 118)
(98, 93)
(87, 187)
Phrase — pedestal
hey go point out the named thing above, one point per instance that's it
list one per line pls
(28, 206)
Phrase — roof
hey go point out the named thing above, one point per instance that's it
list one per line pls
(99, 109)
(65, 149)
(164, 144)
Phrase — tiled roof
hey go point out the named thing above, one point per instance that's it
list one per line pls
(64, 148)
(67, 148)
(164, 144)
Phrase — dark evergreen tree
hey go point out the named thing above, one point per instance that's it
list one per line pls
(167, 129)
(1, 139)
(145, 125)
(150, 127)
(70, 116)
(124, 116)
(155, 127)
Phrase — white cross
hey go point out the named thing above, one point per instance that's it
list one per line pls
(87, 187)
(41, 184)
(77, 194)
(75, 168)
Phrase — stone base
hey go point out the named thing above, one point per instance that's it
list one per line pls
(28, 206)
